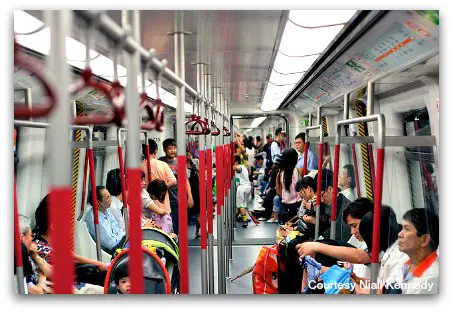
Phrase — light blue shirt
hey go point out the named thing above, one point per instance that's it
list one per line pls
(312, 161)
(275, 149)
(109, 229)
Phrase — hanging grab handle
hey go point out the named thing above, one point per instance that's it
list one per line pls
(196, 120)
(214, 133)
(114, 94)
(38, 71)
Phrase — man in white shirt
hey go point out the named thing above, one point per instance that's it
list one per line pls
(346, 182)
(277, 146)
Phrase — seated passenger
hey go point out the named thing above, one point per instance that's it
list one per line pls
(111, 235)
(122, 279)
(148, 205)
(391, 259)
(45, 250)
(341, 230)
(307, 189)
(352, 216)
(157, 190)
(419, 239)
(346, 182)
(113, 185)
(36, 278)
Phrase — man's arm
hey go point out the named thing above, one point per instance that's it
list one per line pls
(170, 179)
(348, 254)
(190, 201)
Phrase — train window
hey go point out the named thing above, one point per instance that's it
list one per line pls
(421, 163)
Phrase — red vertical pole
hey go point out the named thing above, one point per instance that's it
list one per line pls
(148, 162)
(378, 206)
(123, 177)
(219, 177)
(356, 172)
(17, 245)
(209, 181)
(305, 157)
(135, 231)
(202, 177)
(62, 269)
(318, 190)
(336, 165)
(183, 224)
(85, 172)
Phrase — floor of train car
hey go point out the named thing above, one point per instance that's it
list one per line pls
(246, 246)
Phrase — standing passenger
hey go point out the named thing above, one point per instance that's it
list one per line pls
(169, 146)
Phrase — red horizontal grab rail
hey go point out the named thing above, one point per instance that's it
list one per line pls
(38, 71)
(114, 94)
(183, 223)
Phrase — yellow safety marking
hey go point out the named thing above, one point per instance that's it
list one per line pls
(75, 175)
(361, 111)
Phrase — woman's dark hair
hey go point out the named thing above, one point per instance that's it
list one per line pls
(121, 271)
(142, 174)
(158, 189)
(238, 159)
(425, 222)
(41, 217)
(289, 161)
(306, 182)
(358, 208)
(389, 228)
(248, 143)
(99, 188)
(113, 183)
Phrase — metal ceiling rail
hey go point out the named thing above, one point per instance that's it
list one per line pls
(116, 33)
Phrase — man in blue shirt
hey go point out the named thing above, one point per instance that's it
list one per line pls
(312, 159)
(111, 234)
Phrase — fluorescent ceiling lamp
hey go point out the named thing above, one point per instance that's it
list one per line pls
(299, 48)
(75, 53)
(316, 18)
(257, 121)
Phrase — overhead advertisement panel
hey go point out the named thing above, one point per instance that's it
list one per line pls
(401, 37)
